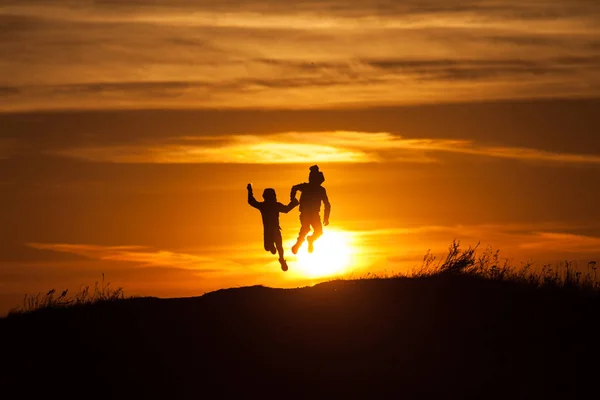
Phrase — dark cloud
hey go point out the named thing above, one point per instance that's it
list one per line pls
(553, 125)
(13, 25)
(8, 90)
(325, 81)
(469, 69)
(157, 88)
(532, 9)
(458, 74)
(132, 87)
(302, 65)
(436, 69)
(414, 64)
(323, 74)
(537, 40)
(306, 75)
(19, 252)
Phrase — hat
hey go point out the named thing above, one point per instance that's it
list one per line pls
(315, 175)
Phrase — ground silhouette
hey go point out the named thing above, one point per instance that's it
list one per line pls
(440, 336)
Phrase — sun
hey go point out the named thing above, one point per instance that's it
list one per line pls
(332, 255)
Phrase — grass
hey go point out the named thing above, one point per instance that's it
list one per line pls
(102, 292)
(486, 264)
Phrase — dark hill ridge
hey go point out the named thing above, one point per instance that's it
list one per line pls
(445, 335)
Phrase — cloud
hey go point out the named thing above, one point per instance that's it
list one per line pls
(280, 83)
(143, 256)
(7, 146)
(8, 90)
(139, 87)
(485, 69)
(332, 12)
(292, 147)
(566, 241)
(540, 243)
(559, 126)
(217, 267)
(189, 54)
(518, 241)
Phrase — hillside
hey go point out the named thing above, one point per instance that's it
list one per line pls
(455, 336)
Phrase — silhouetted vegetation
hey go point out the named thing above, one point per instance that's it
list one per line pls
(489, 265)
(465, 326)
(102, 292)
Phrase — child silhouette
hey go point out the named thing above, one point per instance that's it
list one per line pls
(269, 210)
(310, 207)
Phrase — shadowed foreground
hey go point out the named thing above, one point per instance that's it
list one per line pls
(455, 336)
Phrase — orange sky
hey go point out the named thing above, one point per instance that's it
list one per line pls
(129, 130)
(300, 54)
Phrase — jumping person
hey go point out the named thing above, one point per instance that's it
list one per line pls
(310, 207)
(270, 209)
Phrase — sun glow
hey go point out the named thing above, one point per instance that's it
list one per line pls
(333, 254)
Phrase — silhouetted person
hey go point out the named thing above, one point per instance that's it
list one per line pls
(270, 209)
(310, 207)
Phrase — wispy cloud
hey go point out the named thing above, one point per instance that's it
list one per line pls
(140, 255)
(568, 242)
(291, 147)
(540, 243)
(226, 266)
(333, 13)
(313, 54)
(520, 241)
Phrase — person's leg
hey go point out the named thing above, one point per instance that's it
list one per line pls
(269, 241)
(304, 229)
(317, 231)
(279, 244)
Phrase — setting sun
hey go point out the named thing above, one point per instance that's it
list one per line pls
(332, 255)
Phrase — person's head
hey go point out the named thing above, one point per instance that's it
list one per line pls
(315, 176)
(269, 195)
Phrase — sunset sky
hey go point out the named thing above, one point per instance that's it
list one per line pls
(130, 128)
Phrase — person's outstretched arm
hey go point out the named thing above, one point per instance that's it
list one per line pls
(251, 200)
(327, 207)
(286, 209)
(295, 189)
